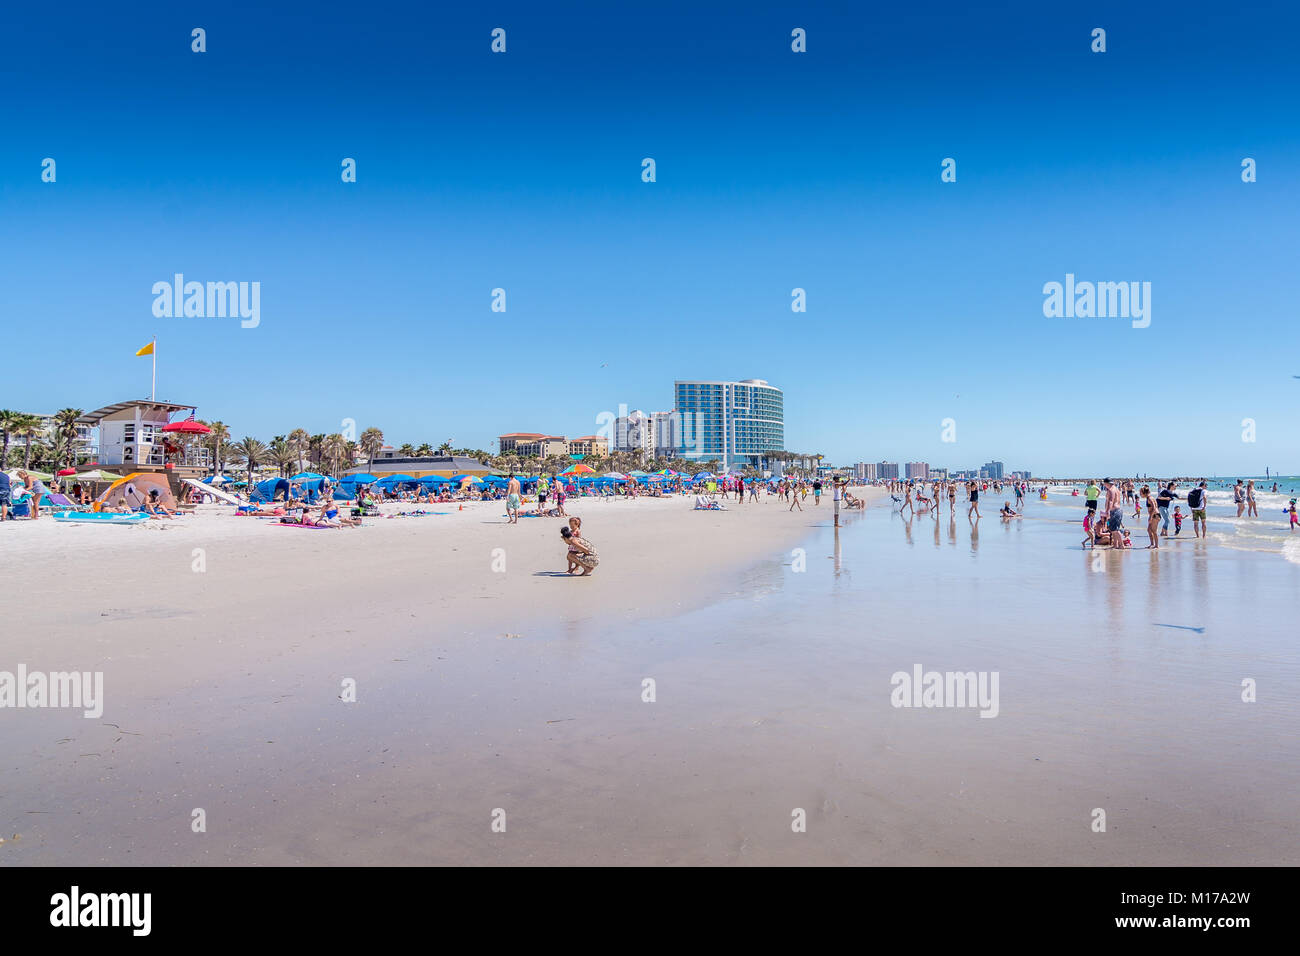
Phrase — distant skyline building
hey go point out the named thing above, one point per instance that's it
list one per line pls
(667, 432)
(864, 471)
(736, 423)
(918, 469)
(635, 430)
(887, 470)
(992, 469)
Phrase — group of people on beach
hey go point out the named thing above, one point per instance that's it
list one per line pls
(1109, 530)
(911, 496)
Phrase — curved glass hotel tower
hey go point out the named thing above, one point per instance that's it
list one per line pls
(737, 423)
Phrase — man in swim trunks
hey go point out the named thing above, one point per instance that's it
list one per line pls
(512, 500)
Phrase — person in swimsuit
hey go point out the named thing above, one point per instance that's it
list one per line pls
(542, 487)
(974, 499)
(560, 495)
(1252, 509)
(1239, 497)
(512, 500)
(1153, 517)
(1197, 500)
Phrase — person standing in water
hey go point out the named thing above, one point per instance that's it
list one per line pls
(974, 499)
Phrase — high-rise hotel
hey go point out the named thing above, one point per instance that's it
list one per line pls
(737, 423)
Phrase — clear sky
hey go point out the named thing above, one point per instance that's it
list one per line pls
(775, 170)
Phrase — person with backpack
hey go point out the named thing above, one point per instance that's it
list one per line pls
(1196, 500)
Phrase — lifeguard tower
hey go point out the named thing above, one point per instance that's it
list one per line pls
(141, 436)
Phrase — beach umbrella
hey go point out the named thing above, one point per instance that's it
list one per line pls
(469, 480)
(98, 475)
(363, 479)
(655, 478)
(616, 476)
(579, 469)
(639, 474)
(186, 428)
(667, 471)
(394, 479)
(307, 476)
(435, 480)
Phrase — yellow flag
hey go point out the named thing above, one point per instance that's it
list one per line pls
(147, 350)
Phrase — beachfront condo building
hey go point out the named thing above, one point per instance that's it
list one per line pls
(887, 470)
(918, 469)
(864, 471)
(992, 469)
(533, 443)
(588, 445)
(547, 446)
(734, 423)
(667, 434)
(635, 430)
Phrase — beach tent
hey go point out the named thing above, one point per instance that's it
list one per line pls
(136, 489)
(270, 490)
(429, 481)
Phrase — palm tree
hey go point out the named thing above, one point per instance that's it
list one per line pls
(372, 439)
(424, 451)
(406, 451)
(316, 450)
(333, 452)
(445, 448)
(281, 452)
(217, 441)
(299, 441)
(252, 452)
(28, 427)
(65, 430)
(8, 419)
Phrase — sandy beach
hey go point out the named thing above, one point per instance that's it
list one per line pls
(523, 691)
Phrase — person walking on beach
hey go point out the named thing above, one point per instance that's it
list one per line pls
(907, 500)
(512, 501)
(1020, 494)
(974, 500)
(1252, 508)
(1196, 500)
(561, 493)
(1163, 501)
(794, 500)
(817, 491)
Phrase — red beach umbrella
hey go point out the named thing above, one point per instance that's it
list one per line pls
(187, 428)
(64, 472)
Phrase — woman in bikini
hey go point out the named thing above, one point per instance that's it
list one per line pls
(1153, 516)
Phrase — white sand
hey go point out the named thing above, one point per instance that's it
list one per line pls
(204, 669)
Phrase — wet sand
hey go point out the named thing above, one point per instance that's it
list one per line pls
(1120, 690)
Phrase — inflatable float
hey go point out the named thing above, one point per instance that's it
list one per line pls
(100, 517)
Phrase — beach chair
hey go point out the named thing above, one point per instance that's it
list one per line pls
(708, 503)
(63, 503)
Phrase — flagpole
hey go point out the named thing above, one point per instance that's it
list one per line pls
(153, 382)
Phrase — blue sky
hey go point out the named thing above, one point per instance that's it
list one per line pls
(775, 170)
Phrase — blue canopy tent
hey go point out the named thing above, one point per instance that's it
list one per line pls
(306, 476)
(362, 479)
(269, 490)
